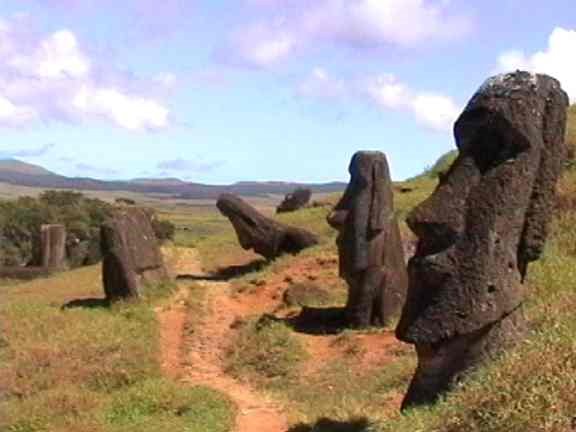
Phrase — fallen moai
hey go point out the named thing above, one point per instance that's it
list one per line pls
(485, 222)
(369, 243)
(264, 235)
(131, 254)
(295, 201)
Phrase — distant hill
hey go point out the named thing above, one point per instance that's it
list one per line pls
(20, 173)
(19, 167)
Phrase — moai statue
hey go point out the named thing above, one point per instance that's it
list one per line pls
(265, 236)
(369, 243)
(53, 247)
(295, 201)
(485, 222)
(131, 254)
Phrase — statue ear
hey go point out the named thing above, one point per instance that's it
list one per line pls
(377, 198)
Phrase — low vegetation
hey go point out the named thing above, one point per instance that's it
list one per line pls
(95, 369)
(68, 363)
(20, 222)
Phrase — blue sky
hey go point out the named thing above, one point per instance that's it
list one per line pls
(218, 91)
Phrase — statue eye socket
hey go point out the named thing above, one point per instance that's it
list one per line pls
(488, 138)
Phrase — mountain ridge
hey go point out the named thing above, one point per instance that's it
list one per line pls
(19, 173)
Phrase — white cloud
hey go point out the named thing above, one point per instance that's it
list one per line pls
(436, 111)
(57, 56)
(557, 60)
(133, 113)
(302, 23)
(263, 45)
(432, 110)
(51, 78)
(388, 92)
(321, 84)
(12, 115)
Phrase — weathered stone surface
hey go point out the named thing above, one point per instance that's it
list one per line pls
(265, 236)
(53, 246)
(487, 219)
(369, 243)
(131, 254)
(295, 201)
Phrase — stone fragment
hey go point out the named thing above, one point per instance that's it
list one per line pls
(53, 247)
(131, 254)
(295, 201)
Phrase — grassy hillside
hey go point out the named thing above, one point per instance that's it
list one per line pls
(94, 369)
(88, 368)
(530, 388)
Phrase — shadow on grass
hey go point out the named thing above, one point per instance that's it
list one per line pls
(327, 425)
(87, 303)
(313, 321)
(228, 273)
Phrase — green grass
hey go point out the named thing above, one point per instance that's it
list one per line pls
(529, 388)
(91, 368)
(266, 352)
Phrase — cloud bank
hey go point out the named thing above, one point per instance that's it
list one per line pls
(432, 110)
(47, 78)
(556, 60)
(290, 26)
(190, 166)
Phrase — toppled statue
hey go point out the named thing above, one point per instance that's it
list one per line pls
(295, 201)
(485, 222)
(131, 254)
(265, 236)
(369, 243)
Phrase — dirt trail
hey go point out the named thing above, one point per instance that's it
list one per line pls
(206, 351)
(199, 358)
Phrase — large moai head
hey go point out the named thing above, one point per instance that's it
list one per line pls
(131, 254)
(265, 236)
(486, 220)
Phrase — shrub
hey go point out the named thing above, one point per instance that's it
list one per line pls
(20, 223)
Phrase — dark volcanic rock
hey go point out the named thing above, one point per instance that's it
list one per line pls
(487, 219)
(369, 243)
(295, 201)
(131, 254)
(53, 246)
(265, 236)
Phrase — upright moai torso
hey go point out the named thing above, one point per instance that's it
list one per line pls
(369, 243)
(487, 219)
(53, 246)
(131, 254)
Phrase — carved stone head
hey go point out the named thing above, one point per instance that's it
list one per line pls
(488, 217)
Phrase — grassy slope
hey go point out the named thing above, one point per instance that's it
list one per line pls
(532, 387)
(90, 369)
(97, 369)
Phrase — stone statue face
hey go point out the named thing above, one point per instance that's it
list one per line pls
(474, 230)
(242, 218)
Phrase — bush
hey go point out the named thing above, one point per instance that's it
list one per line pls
(20, 223)
(164, 230)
